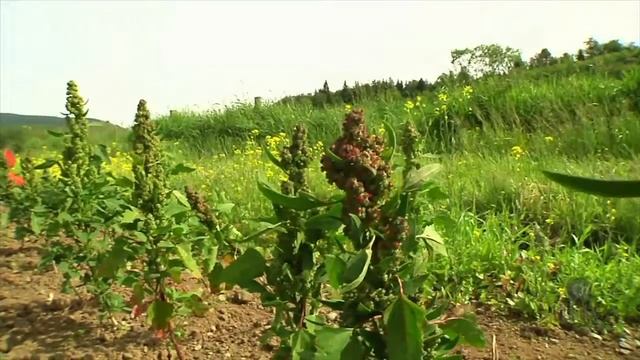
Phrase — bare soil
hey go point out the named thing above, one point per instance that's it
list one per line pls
(37, 321)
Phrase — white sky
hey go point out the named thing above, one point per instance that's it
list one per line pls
(179, 54)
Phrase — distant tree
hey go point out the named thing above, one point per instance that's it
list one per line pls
(580, 56)
(543, 58)
(566, 58)
(612, 47)
(593, 47)
(325, 87)
(346, 94)
(399, 86)
(421, 86)
(484, 60)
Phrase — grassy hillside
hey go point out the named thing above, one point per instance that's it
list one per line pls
(29, 132)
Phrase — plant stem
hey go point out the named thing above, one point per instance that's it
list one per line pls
(175, 343)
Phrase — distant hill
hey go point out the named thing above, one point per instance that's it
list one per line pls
(8, 119)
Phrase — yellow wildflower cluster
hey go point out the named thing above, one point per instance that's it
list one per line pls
(410, 106)
(467, 91)
(121, 164)
(517, 152)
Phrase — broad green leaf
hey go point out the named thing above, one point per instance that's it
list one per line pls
(181, 198)
(271, 157)
(357, 268)
(608, 188)
(224, 208)
(301, 202)
(159, 313)
(391, 141)
(115, 260)
(46, 164)
(4, 220)
(433, 240)
(55, 133)
(103, 153)
(468, 331)
(403, 329)
(335, 268)
(302, 345)
(181, 169)
(36, 223)
(184, 250)
(417, 178)
(266, 229)
(331, 342)
(335, 158)
(130, 216)
(247, 267)
(323, 222)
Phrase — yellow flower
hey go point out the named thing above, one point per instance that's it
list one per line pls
(517, 152)
(347, 107)
(443, 97)
(409, 105)
(548, 138)
(467, 91)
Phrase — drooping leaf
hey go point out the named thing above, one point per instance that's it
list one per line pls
(224, 208)
(247, 267)
(357, 268)
(335, 268)
(55, 133)
(433, 240)
(114, 260)
(331, 342)
(301, 202)
(46, 164)
(302, 345)
(130, 216)
(608, 188)
(267, 227)
(36, 223)
(403, 329)
(103, 153)
(181, 169)
(417, 178)
(159, 313)
(323, 221)
(391, 141)
(181, 198)
(271, 157)
(184, 250)
(468, 331)
(335, 158)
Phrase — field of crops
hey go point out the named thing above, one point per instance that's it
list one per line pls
(391, 227)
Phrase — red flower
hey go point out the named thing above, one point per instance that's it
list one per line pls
(10, 158)
(16, 179)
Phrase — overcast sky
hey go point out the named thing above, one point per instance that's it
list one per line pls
(179, 54)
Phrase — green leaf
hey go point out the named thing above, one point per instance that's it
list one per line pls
(301, 202)
(115, 260)
(403, 329)
(323, 222)
(55, 133)
(130, 216)
(271, 157)
(181, 169)
(331, 342)
(608, 188)
(433, 240)
(224, 208)
(335, 158)
(46, 164)
(335, 268)
(159, 313)
(181, 198)
(357, 268)
(468, 331)
(391, 141)
(417, 178)
(266, 229)
(4, 220)
(36, 223)
(103, 153)
(302, 345)
(247, 267)
(184, 250)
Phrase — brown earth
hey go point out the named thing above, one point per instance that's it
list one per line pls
(37, 321)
